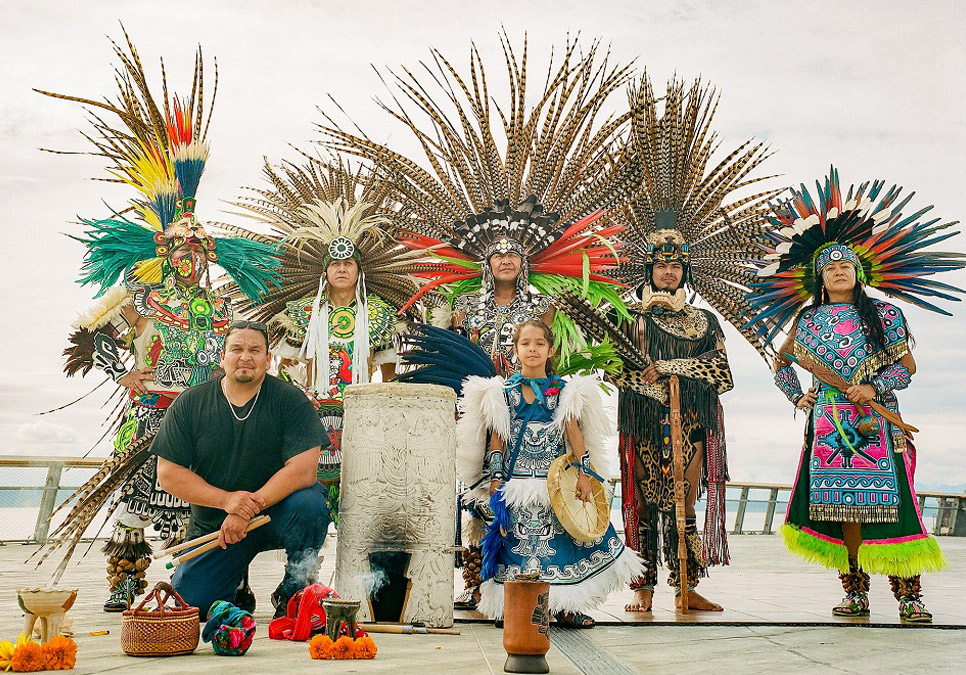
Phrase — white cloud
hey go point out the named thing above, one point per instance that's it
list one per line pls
(43, 432)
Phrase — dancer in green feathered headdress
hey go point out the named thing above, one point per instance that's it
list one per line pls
(157, 328)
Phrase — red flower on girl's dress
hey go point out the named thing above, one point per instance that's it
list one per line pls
(551, 391)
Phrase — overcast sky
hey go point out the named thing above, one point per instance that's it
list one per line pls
(877, 88)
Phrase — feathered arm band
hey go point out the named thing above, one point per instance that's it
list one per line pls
(893, 377)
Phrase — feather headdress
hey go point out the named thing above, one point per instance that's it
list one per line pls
(308, 206)
(539, 190)
(680, 213)
(866, 227)
(319, 212)
(160, 151)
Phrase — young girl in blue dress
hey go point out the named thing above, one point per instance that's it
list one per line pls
(532, 418)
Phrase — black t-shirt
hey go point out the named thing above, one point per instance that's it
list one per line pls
(199, 432)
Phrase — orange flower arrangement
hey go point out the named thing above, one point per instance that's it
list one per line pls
(365, 648)
(322, 647)
(60, 653)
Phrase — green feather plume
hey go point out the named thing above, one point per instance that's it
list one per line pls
(251, 264)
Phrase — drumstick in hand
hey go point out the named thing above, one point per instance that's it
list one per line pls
(254, 524)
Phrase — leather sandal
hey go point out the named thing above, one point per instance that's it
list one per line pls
(574, 620)
(855, 603)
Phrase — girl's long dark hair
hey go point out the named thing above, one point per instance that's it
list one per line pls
(547, 334)
(869, 315)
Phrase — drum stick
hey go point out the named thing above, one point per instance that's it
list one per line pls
(254, 524)
(194, 542)
(406, 629)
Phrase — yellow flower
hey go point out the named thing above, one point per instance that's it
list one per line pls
(6, 654)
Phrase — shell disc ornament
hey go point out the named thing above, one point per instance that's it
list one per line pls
(341, 248)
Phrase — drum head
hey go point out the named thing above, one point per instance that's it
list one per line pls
(584, 521)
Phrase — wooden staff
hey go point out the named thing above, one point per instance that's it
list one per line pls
(406, 629)
(212, 540)
(677, 447)
(832, 379)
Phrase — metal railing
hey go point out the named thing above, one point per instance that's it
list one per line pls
(950, 509)
(950, 518)
(52, 485)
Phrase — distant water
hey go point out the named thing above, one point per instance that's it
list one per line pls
(19, 508)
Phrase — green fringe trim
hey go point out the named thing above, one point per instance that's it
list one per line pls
(902, 559)
(815, 550)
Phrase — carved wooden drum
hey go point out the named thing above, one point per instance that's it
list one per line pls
(398, 503)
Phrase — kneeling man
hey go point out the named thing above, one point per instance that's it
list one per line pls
(235, 447)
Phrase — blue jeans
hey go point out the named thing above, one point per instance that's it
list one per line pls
(299, 525)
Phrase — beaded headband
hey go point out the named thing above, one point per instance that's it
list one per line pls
(835, 252)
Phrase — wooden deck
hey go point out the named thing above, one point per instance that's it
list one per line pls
(776, 619)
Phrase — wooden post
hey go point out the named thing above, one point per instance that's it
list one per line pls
(677, 447)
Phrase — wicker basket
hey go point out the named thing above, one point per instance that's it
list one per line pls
(164, 631)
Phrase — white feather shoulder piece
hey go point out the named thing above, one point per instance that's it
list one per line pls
(580, 400)
(108, 307)
(441, 317)
(482, 408)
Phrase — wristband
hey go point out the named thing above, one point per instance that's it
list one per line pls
(893, 377)
(107, 358)
(786, 379)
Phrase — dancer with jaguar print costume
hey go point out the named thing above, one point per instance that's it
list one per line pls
(163, 313)
(853, 506)
(681, 235)
(344, 278)
(509, 214)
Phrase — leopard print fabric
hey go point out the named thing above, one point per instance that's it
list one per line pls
(634, 380)
(656, 480)
(690, 323)
(711, 367)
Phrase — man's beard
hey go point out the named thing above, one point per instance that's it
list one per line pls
(243, 378)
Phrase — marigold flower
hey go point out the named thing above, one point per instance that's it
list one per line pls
(343, 648)
(365, 648)
(27, 657)
(60, 653)
(320, 647)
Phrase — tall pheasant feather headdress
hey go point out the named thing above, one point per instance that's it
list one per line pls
(539, 192)
(317, 212)
(867, 228)
(680, 213)
(161, 151)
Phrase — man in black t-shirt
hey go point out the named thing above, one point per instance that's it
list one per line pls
(236, 447)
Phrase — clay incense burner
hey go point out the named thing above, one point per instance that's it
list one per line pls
(47, 604)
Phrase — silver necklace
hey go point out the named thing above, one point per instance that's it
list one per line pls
(231, 406)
